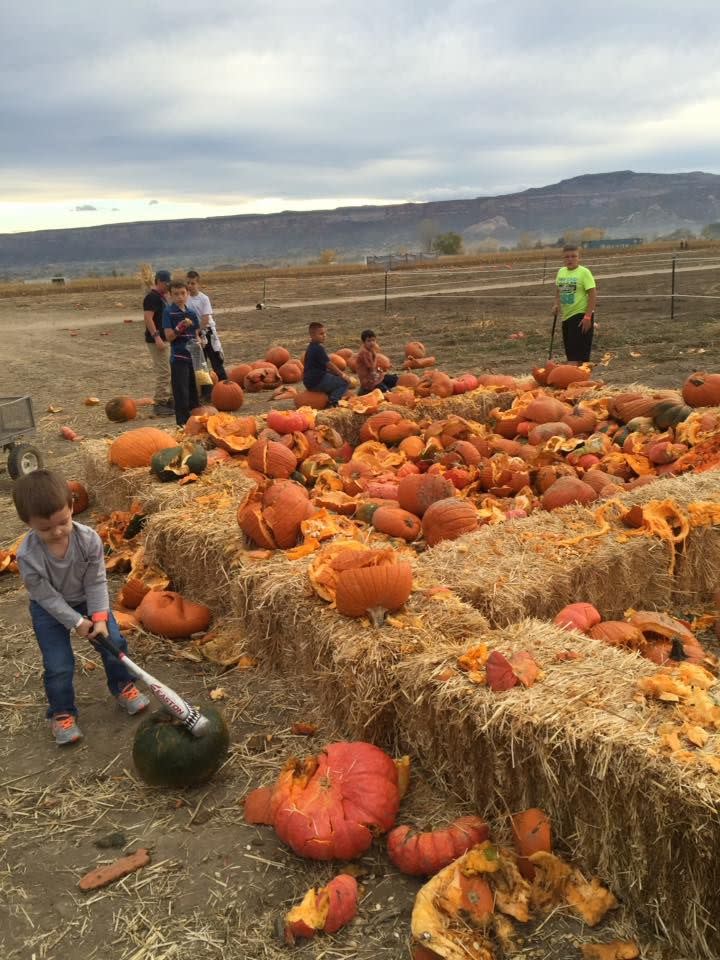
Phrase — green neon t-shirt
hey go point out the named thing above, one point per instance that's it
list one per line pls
(573, 286)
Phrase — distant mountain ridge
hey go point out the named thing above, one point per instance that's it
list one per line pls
(623, 203)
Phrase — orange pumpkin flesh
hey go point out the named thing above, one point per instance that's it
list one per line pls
(169, 614)
(327, 806)
(531, 832)
(326, 908)
(373, 591)
(578, 616)
(135, 448)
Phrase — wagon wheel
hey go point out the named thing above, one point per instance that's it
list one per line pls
(23, 459)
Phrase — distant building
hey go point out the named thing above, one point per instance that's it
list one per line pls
(620, 242)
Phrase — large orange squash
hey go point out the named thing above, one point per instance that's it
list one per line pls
(277, 356)
(287, 421)
(578, 616)
(272, 459)
(415, 349)
(532, 834)
(227, 396)
(311, 398)
(370, 430)
(567, 490)
(702, 390)
(448, 520)
(565, 373)
(423, 854)
(325, 908)
(328, 807)
(417, 491)
(397, 523)
(546, 410)
(290, 372)
(545, 431)
(238, 373)
(373, 591)
(121, 409)
(169, 614)
(136, 448)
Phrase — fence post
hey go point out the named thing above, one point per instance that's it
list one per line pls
(672, 290)
(264, 291)
(544, 269)
(386, 288)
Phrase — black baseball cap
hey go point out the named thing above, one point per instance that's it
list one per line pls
(163, 276)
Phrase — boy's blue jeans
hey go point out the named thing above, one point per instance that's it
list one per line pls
(335, 387)
(59, 660)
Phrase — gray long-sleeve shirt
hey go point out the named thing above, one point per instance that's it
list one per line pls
(56, 584)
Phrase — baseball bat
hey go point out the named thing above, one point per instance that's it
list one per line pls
(191, 718)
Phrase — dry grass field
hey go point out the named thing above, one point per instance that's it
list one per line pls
(216, 886)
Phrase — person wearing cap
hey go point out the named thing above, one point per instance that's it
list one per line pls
(153, 306)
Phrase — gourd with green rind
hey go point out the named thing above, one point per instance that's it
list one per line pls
(166, 754)
(177, 462)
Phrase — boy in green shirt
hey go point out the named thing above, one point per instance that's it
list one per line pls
(576, 296)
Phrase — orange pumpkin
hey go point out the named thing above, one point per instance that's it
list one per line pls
(325, 908)
(370, 430)
(448, 519)
(415, 349)
(567, 490)
(410, 380)
(578, 616)
(290, 372)
(497, 380)
(80, 496)
(272, 459)
(548, 474)
(339, 361)
(702, 390)
(531, 834)
(546, 410)
(227, 396)
(311, 398)
(395, 432)
(170, 615)
(277, 356)
(132, 593)
(618, 633)
(238, 373)
(396, 523)
(287, 421)
(346, 353)
(383, 362)
(204, 410)
(412, 447)
(582, 420)
(234, 434)
(545, 431)
(564, 374)
(374, 591)
(135, 448)
(424, 854)
(417, 491)
(121, 409)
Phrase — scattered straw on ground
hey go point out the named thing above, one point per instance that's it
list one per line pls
(583, 746)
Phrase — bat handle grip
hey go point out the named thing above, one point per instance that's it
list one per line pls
(100, 640)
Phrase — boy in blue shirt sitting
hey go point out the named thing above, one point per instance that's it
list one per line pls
(320, 373)
(181, 324)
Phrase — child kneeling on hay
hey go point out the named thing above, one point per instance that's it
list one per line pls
(319, 372)
(370, 375)
(62, 564)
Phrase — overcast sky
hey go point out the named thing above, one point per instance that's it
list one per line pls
(151, 110)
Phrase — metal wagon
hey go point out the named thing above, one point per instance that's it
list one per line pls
(17, 421)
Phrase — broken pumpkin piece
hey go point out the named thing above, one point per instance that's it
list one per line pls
(614, 950)
(325, 909)
(556, 882)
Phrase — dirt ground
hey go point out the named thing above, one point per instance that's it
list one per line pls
(216, 887)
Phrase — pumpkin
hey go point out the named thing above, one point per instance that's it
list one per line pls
(287, 421)
(546, 410)
(365, 510)
(415, 349)
(702, 390)
(262, 378)
(80, 496)
(618, 633)
(655, 625)
(132, 593)
(373, 591)
(204, 410)
(410, 380)
(395, 432)
(166, 754)
(227, 396)
(272, 459)
(423, 854)
(238, 373)
(546, 431)
(340, 362)
(346, 353)
(370, 430)
(669, 413)
(627, 406)
(176, 462)
(565, 373)
(396, 523)
(272, 519)
(448, 520)
(277, 356)
(383, 362)
(412, 447)
(597, 479)
(326, 807)
(290, 372)
(417, 491)
(234, 434)
(567, 490)
(578, 616)
(581, 421)
(497, 380)
(169, 614)
(121, 409)
(311, 398)
(531, 834)
(325, 908)
(135, 448)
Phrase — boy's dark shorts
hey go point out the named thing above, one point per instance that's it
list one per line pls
(577, 344)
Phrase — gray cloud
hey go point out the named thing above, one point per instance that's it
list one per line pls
(84, 208)
(406, 101)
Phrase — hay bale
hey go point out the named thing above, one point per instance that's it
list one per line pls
(345, 663)
(348, 423)
(114, 489)
(473, 405)
(525, 568)
(581, 746)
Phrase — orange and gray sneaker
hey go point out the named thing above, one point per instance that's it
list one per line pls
(131, 700)
(64, 729)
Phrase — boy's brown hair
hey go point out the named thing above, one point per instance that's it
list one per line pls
(178, 285)
(315, 325)
(569, 247)
(367, 335)
(41, 494)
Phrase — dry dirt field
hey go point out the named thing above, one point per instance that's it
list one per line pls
(216, 887)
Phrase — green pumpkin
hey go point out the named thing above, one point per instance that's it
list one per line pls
(641, 425)
(167, 755)
(176, 462)
(366, 511)
(669, 413)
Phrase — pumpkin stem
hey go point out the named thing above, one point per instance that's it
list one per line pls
(377, 616)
